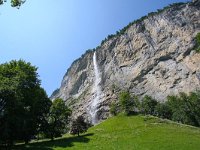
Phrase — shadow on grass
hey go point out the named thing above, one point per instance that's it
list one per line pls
(132, 113)
(49, 145)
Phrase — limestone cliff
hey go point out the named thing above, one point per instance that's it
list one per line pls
(153, 56)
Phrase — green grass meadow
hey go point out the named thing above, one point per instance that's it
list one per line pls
(127, 133)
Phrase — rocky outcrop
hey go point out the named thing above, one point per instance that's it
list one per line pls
(154, 56)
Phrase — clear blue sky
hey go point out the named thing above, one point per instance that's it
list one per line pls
(52, 34)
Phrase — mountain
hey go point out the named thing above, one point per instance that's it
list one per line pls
(151, 56)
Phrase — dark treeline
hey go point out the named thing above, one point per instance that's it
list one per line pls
(183, 108)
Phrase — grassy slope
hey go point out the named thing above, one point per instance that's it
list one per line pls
(134, 133)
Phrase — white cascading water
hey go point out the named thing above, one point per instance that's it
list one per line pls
(96, 91)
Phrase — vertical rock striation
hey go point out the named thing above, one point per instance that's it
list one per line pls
(154, 56)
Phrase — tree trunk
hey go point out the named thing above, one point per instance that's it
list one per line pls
(52, 137)
(38, 137)
(26, 141)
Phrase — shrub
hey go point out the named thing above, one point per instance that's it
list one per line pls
(163, 110)
(79, 125)
(197, 40)
(114, 109)
(127, 103)
(185, 108)
(148, 105)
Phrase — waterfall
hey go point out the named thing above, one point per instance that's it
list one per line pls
(96, 91)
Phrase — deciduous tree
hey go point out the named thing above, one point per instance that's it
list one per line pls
(127, 102)
(148, 105)
(22, 101)
(79, 125)
(58, 118)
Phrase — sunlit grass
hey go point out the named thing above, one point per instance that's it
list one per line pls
(133, 132)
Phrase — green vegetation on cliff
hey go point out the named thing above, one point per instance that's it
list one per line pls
(197, 39)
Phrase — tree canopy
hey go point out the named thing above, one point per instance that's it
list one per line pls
(148, 105)
(14, 3)
(58, 118)
(79, 125)
(127, 102)
(22, 102)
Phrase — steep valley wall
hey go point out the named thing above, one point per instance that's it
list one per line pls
(154, 56)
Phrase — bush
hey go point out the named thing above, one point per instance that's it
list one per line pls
(148, 105)
(163, 110)
(79, 125)
(185, 108)
(197, 40)
(114, 109)
(127, 103)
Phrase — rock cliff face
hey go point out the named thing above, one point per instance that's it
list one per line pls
(154, 56)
